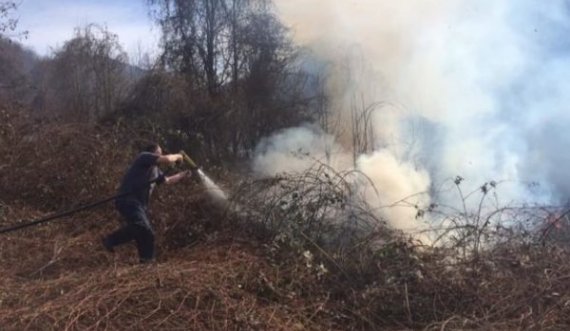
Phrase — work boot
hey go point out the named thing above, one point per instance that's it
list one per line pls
(108, 247)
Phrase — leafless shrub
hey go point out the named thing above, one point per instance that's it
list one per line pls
(386, 278)
(479, 221)
(319, 205)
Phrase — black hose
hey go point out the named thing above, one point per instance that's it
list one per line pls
(67, 213)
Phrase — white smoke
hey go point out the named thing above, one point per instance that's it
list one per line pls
(297, 149)
(387, 179)
(394, 180)
(476, 89)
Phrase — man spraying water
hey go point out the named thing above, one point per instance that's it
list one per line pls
(136, 187)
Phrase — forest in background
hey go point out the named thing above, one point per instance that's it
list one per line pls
(228, 75)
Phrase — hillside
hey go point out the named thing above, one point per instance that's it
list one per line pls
(216, 271)
(57, 276)
(215, 285)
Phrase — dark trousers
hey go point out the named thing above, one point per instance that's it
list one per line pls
(137, 227)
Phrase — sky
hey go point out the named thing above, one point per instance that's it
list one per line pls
(51, 22)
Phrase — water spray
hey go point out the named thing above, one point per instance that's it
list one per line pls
(214, 191)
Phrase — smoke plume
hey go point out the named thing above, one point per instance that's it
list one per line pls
(453, 88)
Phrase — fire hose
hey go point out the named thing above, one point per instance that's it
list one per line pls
(186, 158)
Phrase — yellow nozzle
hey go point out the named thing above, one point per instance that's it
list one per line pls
(188, 160)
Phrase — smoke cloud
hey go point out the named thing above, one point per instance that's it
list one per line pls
(475, 89)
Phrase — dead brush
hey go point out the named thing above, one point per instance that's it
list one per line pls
(221, 292)
(54, 166)
(478, 221)
(490, 266)
(488, 270)
(56, 276)
(324, 261)
(317, 210)
(318, 220)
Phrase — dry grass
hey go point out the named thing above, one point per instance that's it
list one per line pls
(287, 260)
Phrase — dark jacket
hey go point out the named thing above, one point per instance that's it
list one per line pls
(135, 183)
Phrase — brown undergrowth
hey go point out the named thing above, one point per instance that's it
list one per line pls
(290, 253)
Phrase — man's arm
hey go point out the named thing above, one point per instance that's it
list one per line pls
(169, 159)
(177, 177)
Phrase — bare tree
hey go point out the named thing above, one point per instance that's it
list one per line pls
(192, 37)
(16, 64)
(12, 75)
(89, 73)
(362, 128)
(238, 64)
(8, 23)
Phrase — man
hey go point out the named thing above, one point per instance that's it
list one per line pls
(135, 190)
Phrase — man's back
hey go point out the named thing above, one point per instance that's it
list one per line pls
(135, 182)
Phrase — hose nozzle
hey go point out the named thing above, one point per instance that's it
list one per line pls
(193, 167)
(188, 160)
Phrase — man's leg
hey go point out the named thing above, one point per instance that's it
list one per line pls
(144, 237)
(119, 237)
(127, 232)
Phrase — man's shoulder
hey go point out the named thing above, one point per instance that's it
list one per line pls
(146, 154)
(146, 158)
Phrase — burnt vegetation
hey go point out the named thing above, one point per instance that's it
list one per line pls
(291, 252)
